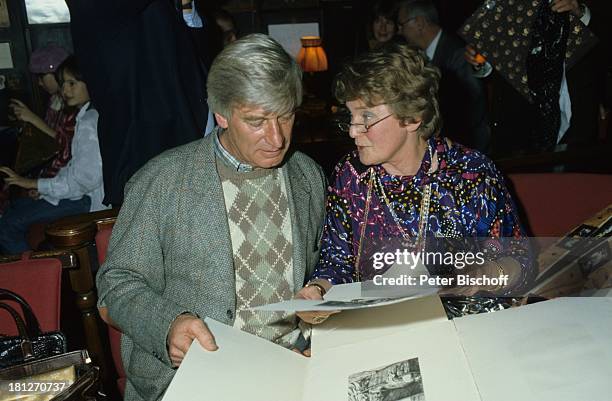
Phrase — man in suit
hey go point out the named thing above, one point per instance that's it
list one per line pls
(462, 96)
(217, 226)
(146, 80)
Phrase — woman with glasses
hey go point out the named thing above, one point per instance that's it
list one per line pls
(405, 181)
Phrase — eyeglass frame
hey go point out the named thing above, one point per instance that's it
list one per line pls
(346, 127)
(400, 25)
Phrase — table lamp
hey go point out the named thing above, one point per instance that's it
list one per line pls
(312, 57)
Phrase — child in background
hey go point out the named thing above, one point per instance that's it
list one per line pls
(77, 187)
(59, 119)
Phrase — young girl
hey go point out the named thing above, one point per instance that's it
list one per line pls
(59, 119)
(77, 187)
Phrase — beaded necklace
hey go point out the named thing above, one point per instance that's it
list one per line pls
(423, 214)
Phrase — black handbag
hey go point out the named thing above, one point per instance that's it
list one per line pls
(31, 344)
(66, 377)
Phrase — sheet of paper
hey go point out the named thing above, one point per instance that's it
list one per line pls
(347, 297)
(424, 363)
(558, 350)
(353, 326)
(245, 367)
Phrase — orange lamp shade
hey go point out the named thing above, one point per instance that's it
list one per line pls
(312, 57)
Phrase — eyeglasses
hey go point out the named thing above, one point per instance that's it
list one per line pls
(401, 24)
(346, 127)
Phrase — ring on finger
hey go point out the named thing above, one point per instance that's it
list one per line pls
(319, 319)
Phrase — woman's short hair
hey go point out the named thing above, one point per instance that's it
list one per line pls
(399, 76)
(71, 66)
(384, 8)
(256, 71)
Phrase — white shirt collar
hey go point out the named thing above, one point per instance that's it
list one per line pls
(431, 49)
(82, 110)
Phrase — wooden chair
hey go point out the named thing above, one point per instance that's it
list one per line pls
(555, 203)
(552, 205)
(37, 279)
(114, 335)
(76, 234)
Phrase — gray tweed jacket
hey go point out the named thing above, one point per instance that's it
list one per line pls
(170, 253)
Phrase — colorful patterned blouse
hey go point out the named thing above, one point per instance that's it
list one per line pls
(468, 200)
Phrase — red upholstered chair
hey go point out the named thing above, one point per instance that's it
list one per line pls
(38, 281)
(114, 335)
(555, 203)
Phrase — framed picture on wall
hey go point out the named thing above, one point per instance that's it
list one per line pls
(47, 11)
(288, 35)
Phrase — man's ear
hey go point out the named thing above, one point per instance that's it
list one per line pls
(221, 121)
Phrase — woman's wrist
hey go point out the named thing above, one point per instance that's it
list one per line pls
(322, 285)
(507, 269)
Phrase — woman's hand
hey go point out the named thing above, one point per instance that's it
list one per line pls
(15, 179)
(504, 267)
(314, 293)
(22, 112)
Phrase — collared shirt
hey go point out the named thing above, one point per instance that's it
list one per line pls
(226, 156)
(83, 173)
(431, 49)
(192, 18)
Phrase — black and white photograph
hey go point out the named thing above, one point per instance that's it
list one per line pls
(596, 258)
(400, 381)
(572, 239)
(357, 302)
(605, 230)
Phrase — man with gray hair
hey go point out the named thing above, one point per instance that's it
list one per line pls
(217, 226)
(462, 96)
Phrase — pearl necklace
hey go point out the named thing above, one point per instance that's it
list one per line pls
(423, 209)
(423, 216)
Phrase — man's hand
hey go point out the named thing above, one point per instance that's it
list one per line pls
(182, 333)
(505, 266)
(572, 6)
(313, 293)
(305, 353)
(15, 179)
(21, 111)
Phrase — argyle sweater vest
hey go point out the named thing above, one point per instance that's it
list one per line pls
(260, 228)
